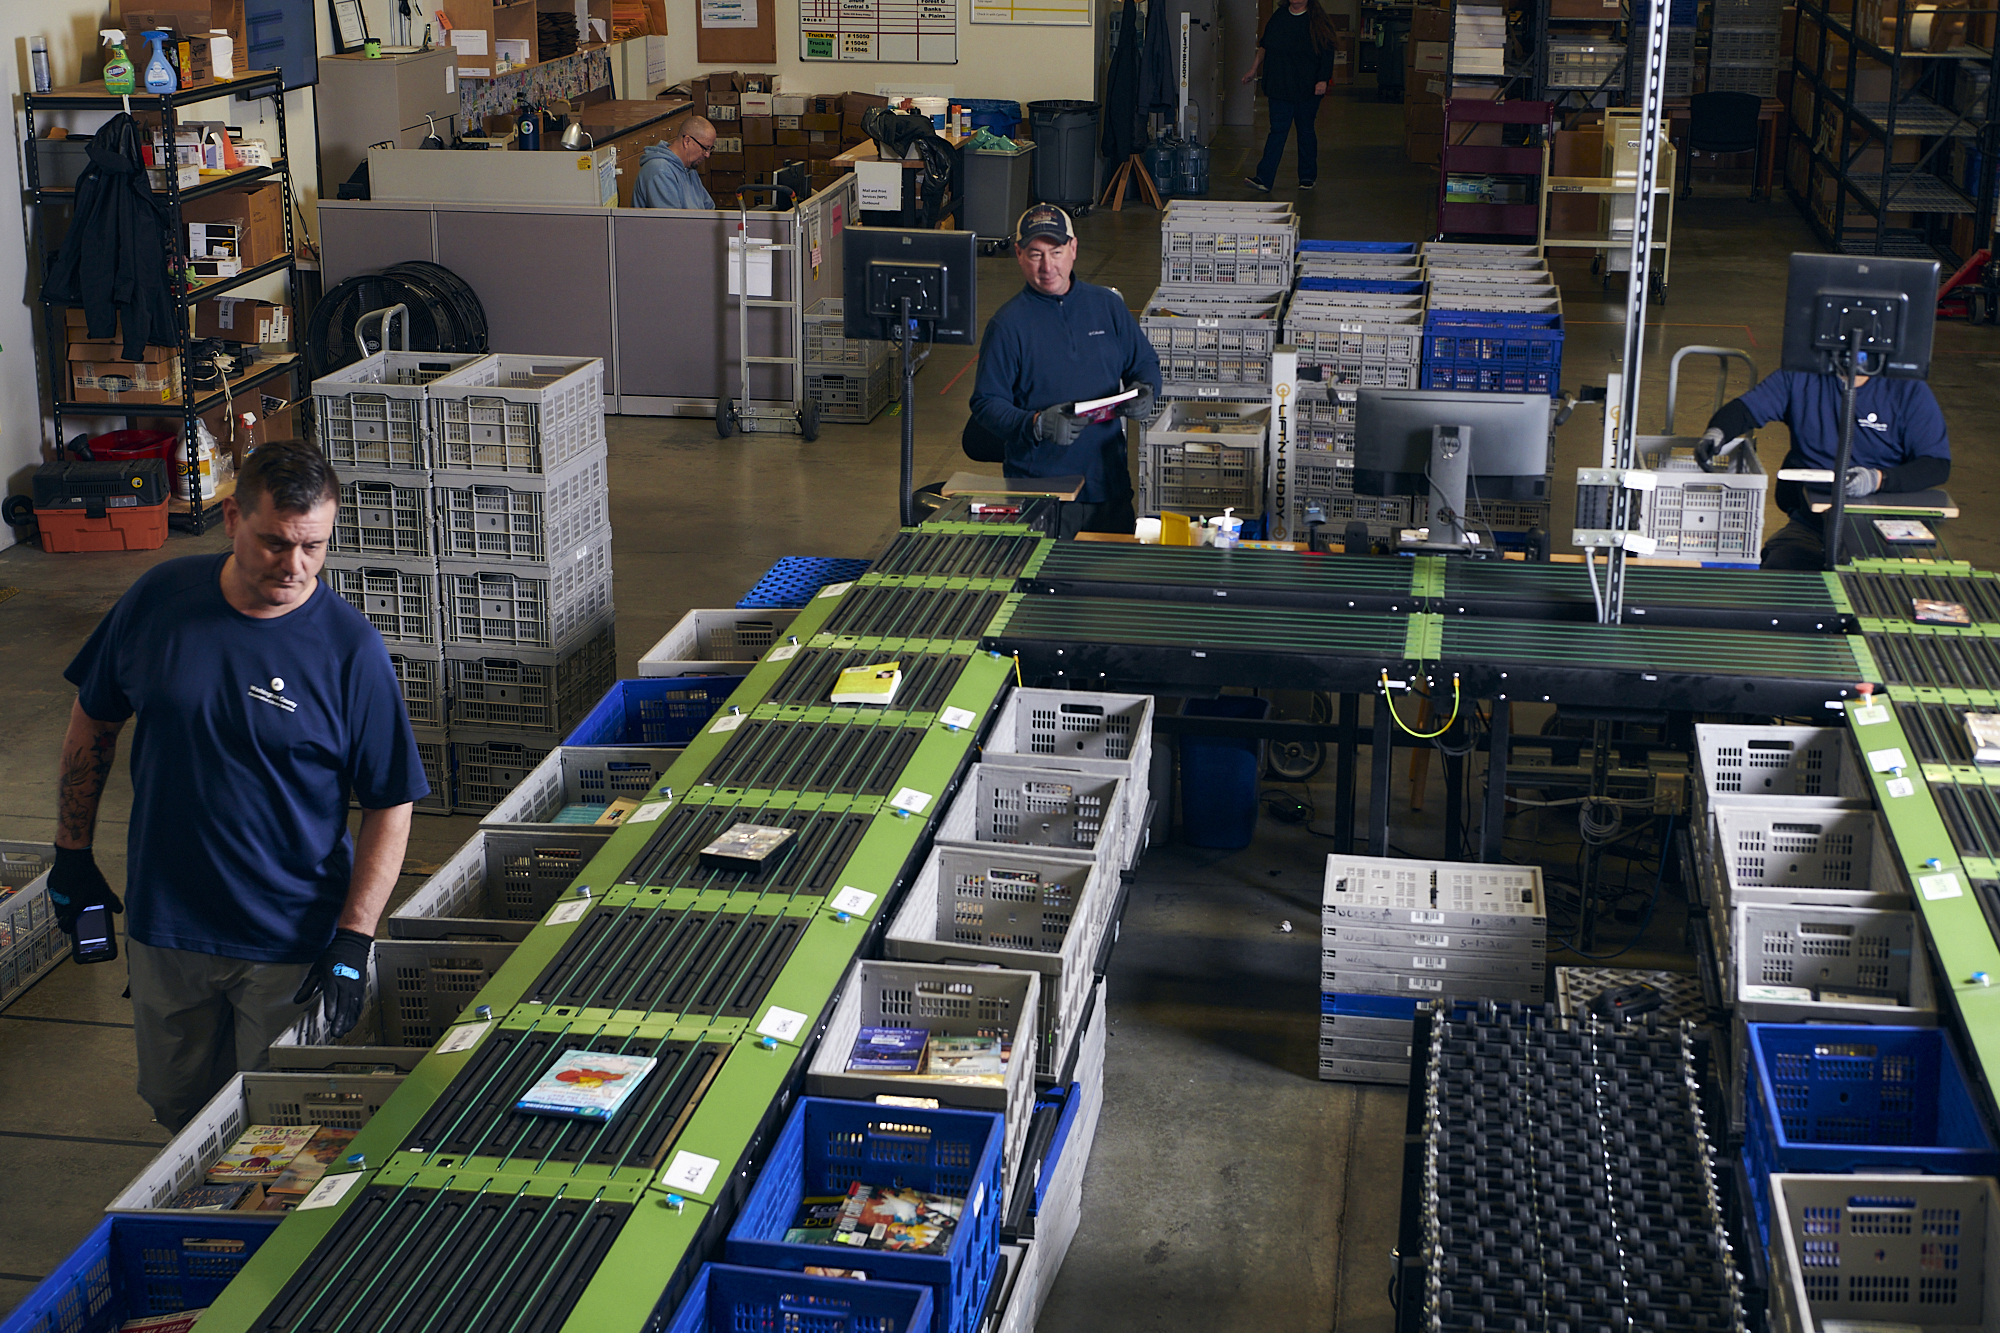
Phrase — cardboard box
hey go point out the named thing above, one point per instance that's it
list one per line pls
(1608, 10)
(724, 84)
(758, 130)
(790, 122)
(758, 104)
(760, 82)
(1423, 147)
(240, 319)
(113, 349)
(726, 144)
(1429, 24)
(1423, 117)
(258, 213)
(790, 138)
(823, 104)
(760, 159)
(111, 381)
(722, 113)
(732, 163)
(821, 122)
(788, 104)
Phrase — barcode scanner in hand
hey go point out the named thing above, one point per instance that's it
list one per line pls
(94, 941)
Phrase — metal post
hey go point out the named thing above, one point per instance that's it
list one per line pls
(1381, 777)
(906, 505)
(1498, 745)
(1343, 773)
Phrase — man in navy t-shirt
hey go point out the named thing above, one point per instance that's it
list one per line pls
(1900, 445)
(261, 701)
(1059, 342)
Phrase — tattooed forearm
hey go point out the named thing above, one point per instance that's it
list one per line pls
(88, 751)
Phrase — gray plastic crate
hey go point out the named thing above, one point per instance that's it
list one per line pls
(434, 749)
(1891, 1251)
(583, 778)
(399, 597)
(416, 989)
(540, 692)
(1342, 334)
(373, 414)
(1203, 341)
(1739, 764)
(486, 765)
(528, 606)
(716, 642)
(533, 519)
(1018, 807)
(1831, 951)
(1202, 457)
(420, 677)
(31, 944)
(499, 878)
(828, 348)
(518, 415)
(1079, 724)
(1780, 854)
(384, 515)
(852, 396)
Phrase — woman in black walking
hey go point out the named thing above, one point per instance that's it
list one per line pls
(1295, 58)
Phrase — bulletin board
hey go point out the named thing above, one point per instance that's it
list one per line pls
(907, 32)
(734, 45)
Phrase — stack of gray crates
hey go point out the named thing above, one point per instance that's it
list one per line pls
(1397, 933)
(1743, 46)
(848, 377)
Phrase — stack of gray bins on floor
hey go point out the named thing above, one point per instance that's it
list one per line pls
(474, 532)
(1396, 933)
(1743, 46)
(848, 377)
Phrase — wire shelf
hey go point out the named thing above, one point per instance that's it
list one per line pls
(1911, 190)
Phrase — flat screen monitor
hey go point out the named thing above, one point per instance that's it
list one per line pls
(793, 177)
(936, 269)
(1510, 441)
(1892, 302)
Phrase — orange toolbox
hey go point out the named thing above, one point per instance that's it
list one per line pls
(119, 506)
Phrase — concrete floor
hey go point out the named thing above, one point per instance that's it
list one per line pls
(1229, 1189)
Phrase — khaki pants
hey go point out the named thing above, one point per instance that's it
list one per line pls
(201, 1020)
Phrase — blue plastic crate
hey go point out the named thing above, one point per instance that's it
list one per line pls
(1834, 1100)
(1071, 1099)
(1359, 247)
(1493, 352)
(729, 1299)
(827, 1145)
(1333, 1003)
(797, 579)
(1382, 285)
(134, 1266)
(654, 710)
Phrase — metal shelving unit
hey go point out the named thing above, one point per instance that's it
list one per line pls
(254, 85)
(1527, 161)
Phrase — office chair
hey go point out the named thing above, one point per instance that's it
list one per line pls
(1722, 125)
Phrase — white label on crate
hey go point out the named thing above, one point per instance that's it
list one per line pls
(836, 589)
(1934, 887)
(783, 1024)
(331, 1190)
(1426, 983)
(1427, 918)
(958, 717)
(784, 652)
(1884, 761)
(978, 1199)
(649, 812)
(1869, 715)
(728, 722)
(853, 901)
(1774, 993)
(576, 909)
(910, 801)
(1902, 787)
(462, 1038)
(1430, 962)
(689, 1171)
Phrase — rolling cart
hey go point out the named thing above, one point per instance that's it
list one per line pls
(742, 413)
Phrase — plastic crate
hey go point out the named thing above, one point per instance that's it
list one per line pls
(1202, 476)
(1503, 275)
(1908, 1252)
(1583, 64)
(659, 710)
(1351, 338)
(715, 642)
(1323, 419)
(797, 579)
(1189, 235)
(1848, 951)
(948, 1001)
(851, 396)
(1460, 252)
(826, 347)
(1706, 515)
(1016, 807)
(1246, 271)
(500, 877)
(1493, 353)
(1825, 857)
(1310, 267)
(1387, 250)
(373, 414)
(415, 990)
(31, 944)
(1364, 286)
(726, 1298)
(1077, 724)
(1749, 46)
(341, 1101)
(541, 692)
(1334, 510)
(529, 519)
(384, 515)
(1759, 80)
(1305, 304)
(1031, 913)
(131, 1267)
(486, 765)
(518, 415)
(434, 750)
(420, 677)
(827, 1145)
(400, 598)
(1200, 340)
(573, 784)
(556, 605)
(1740, 764)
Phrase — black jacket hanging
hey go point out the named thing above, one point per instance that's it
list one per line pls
(1159, 60)
(113, 261)
(1122, 135)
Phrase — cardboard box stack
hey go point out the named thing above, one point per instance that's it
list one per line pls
(760, 128)
(1424, 89)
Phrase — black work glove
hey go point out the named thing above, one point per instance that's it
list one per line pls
(1056, 426)
(1705, 449)
(75, 883)
(340, 976)
(1140, 407)
(1862, 481)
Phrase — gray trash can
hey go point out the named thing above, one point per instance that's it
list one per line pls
(1066, 156)
(997, 187)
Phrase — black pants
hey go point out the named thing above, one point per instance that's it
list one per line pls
(1800, 544)
(1284, 115)
(1109, 516)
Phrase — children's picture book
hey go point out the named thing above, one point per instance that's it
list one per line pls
(588, 1085)
(261, 1153)
(813, 1224)
(211, 1198)
(1928, 611)
(977, 1060)
(889, 1050)
(1982, 733)
(879, 1217)
(303, 1171)
(744, 847)
(872, 684)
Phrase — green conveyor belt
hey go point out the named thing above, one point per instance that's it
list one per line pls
(1658, 650)
(1645, 585)
(1200, 566)
(1201, 627)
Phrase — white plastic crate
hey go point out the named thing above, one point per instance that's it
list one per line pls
(503, 877)
(1078, 724)
(1829, 858)
(573, 783)
(1017, 807)
(1520, 272)
(1453, 295)
(828, 347)
(1339, 334)
(1831, 951)
(434, 749)
(1876, 1252)
(1463, 252)
(540, 691)
(486, 765)
(399, 597)
(528, 606)
(1227, 236)
(526, 519)
(1739, 764)
(1514, 304)
(1305, 303)
(716, 642)
(31, 944)
(338, 1101)
(1249, 271)
(856, 395)
(950, 1001)
(416, 989)
(373, 414)
(1204, 456)
(384, 515)
(518, 415)
(1201, 339)
(420, 677)
(1707, 515)
(1011, 909)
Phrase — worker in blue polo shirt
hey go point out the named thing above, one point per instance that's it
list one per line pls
(1059, 342)
(1900, 445)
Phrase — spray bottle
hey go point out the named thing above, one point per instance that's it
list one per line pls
(118, 76)
(160, 76)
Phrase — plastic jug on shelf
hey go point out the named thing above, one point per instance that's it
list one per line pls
(118, 75)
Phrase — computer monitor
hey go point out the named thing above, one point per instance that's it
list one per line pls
(1440, 444)
(1892, 303)
(936, 270)
(793, 177)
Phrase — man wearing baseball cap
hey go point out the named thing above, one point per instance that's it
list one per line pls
(1059, 342)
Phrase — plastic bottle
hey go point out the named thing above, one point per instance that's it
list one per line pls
(221, 54)
(160, 77)
(531, 128)
(38, 63)
(118, 74)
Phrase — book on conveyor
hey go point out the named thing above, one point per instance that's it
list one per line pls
(261, 1153)
(211, 1198)
(889, 1051)
(304, 1170)
(874, 683)
(1930, 611)
(744, 847)
(1904, 530)
(1982, 733)
(878, 1217)
(587, 1085)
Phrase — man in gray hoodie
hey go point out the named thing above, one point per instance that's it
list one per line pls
(667, 177)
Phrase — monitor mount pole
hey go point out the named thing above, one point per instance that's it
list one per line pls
(905, 501)
(1836, 513)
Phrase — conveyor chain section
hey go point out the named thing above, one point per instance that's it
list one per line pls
(1747, 599)
(1950, 661)
(808, 865)
(1199, 627)
(476, 1116)
(927, 682)
(1893, 597)
(868, 611)
(1936, 731)
(995, 555)
(1362, 582)
(778, 754)
(657, 961)
(1653, 650)
(450, 1261)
